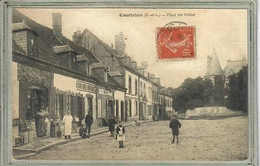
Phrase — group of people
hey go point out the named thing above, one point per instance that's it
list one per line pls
(120, 129)
(68, 125)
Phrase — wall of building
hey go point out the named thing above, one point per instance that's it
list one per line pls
(15, 99)
(77, 86)
(131, 94)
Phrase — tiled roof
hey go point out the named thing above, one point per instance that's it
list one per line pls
(214, 68)
(46, 40)
(233, 67)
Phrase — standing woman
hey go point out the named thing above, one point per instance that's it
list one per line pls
(67, 119)
(120, 130)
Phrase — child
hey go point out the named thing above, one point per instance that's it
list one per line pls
(120, 130)
(175, 125)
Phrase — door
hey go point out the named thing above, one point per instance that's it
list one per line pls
(90, 104)
(126, 110)
(81, 112)
(122, 110)
(117, 109)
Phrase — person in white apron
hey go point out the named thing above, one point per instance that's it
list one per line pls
(120, 130)
(68, 125)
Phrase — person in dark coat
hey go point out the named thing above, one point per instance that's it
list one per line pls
(88, 121)
(111, 125)
(120, 130)
(175, 125)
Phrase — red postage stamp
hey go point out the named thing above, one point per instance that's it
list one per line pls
(176, 42)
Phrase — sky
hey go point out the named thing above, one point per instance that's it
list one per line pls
(224, 29)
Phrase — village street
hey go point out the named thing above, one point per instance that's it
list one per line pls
(223, 139)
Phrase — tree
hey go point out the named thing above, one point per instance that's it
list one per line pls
(237, 98)
(193, 93)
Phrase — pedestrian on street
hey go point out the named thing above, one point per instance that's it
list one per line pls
(88, 121)
(120, 130)
(111, 124)
(67, 119)
(175, 125)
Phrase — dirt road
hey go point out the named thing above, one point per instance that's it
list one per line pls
(223, 139)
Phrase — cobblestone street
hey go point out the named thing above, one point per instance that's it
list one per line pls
(224, 139)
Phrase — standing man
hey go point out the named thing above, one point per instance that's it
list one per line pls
(67, 119)
(175, 125)
(88, 121)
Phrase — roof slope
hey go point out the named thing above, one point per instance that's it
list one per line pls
(234, 67)
(214, 68)
(46, 40)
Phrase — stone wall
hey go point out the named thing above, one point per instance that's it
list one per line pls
(210, 112)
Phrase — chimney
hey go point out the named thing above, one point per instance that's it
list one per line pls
(120, 45)
(57, 24)
(134, 64)
(77, 37)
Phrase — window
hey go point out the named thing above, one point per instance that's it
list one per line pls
(144, 91)
(105, 76)
(141, 89)
(130, 85)
(135, 86)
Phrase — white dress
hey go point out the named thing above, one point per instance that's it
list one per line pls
(120, 135)
(67, 119)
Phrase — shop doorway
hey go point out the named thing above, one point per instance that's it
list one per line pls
(81, 109)
(37, 99)
(90, 105)
(110, 108)
(37, 108)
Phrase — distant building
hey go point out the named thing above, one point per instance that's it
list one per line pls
(141, 97)
(233, 67)
(215, 73)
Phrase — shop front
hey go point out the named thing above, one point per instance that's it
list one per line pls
(76, 96)
(32, 92)
(106, 105)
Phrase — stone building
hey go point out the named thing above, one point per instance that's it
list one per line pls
(52, 73)
(141, 98)
(233, 67)
(215, 73)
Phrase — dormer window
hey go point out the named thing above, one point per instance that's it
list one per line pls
(25, 37)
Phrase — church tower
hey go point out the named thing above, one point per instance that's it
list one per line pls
(215, 73)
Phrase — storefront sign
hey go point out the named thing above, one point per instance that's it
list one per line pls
(104, 92)
(84, 86)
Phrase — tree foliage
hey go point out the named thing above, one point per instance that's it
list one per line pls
(237, 98)
(193, 93)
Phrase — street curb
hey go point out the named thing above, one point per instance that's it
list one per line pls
(62, 142)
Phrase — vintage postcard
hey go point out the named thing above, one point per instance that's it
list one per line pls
(119, 85)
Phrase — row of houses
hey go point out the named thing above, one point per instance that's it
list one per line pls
(52, 73)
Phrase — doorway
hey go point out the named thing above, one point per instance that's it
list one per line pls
(122, 110)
